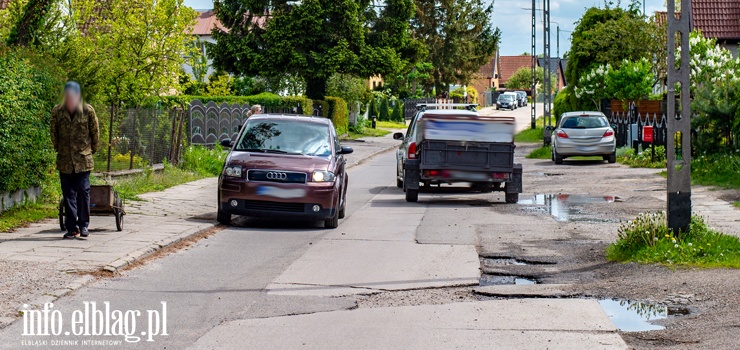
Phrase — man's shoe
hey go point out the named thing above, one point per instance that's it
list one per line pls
(84, 232)
(71, 235)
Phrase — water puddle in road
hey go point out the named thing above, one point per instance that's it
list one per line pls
(497, 280)
(504, 261)
(566, 207)
(635, 316)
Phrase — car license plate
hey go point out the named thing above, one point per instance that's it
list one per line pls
(277, 192)
(585, 148)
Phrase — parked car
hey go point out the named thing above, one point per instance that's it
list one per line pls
(447, 146)
(505, 101)
(522, 98)
(517, 98)
(284, 166)
(583, 134)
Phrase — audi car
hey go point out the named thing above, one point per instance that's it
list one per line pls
(284, 166)
(583, 134)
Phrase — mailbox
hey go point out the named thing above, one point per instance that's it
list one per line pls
(647, 133)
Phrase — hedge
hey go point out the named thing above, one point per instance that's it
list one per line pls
(266, 99)
(339, 113)
(324, 107)
(30, 87)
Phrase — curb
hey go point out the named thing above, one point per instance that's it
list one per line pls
(372, 155)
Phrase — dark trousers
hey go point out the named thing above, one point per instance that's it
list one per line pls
(76, 191)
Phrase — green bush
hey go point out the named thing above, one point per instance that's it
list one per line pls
(721, 169)
(644, 159)
(204, 161)
(397, 115)
(324, 107)
(29, 89)
(384, 111)
(266, 99)
(338, 113)
(647, 239)
(459, 94)
(563, 102)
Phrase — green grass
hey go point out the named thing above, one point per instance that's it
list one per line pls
(532, 135)
(647, 239)
(721, 170)
(366, 132)
(644, 159)
(736, 204)
(391, 125)
(22, 216)
(543, 152)
(153, 181)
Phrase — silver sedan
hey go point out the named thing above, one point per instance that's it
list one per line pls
(583, 134)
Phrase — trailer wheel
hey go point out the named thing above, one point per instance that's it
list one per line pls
(399, 183)
(412, 195)
(512, 198)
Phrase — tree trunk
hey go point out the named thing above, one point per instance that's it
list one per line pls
(315, 88)
(28, 26)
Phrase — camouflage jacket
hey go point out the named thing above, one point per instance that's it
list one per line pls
(75, 139)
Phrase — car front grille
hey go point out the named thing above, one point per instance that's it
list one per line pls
(275, 206)
(276, 176)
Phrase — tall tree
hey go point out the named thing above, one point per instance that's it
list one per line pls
(31, 23)
(313, 39)
(459, 36)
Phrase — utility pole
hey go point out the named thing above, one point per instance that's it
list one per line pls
(679, 122)
(546, 69)
(533, 109)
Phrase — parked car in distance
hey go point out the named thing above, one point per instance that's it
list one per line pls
(522, 98)
(516, 96)
(284, 166)
(506, 101)
(583, 134)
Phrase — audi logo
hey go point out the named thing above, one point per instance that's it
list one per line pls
(275, 175)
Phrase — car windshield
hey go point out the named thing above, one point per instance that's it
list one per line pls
(584, 122)
(505, 98)
(286, 137)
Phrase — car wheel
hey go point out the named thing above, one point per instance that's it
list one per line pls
(332, 222)
(612, 158)
(558, 158)
(552, 154)
(223, 217)
(412, 196)
(512, 198)
(399, 183)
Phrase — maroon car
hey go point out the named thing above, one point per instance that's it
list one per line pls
(284, 166)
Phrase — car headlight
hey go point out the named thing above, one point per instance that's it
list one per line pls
(322, 176)
(233, 171)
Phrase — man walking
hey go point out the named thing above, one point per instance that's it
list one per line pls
(74, 133)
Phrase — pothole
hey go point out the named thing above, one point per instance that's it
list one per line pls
(635, 316)
(566, 207)
(498, 280)
(494, 262)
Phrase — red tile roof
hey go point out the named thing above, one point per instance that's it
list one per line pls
(510, 64)
(205, 23)
(4, 4)
(718, 19)
(488, 70)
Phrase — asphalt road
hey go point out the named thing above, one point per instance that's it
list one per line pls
(222, 277)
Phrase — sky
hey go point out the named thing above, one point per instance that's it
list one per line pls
(516, 23)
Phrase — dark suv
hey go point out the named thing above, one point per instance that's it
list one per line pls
(284, 166)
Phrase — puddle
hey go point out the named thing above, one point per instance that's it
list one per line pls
(503, 261)
(567, 207)
(497, 280)
(634, 316)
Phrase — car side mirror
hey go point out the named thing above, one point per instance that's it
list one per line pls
(346, 150)
(398, 136)
(227, 143)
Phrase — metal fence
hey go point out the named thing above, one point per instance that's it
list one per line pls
(140, 137)
(409, 106)
(628, 128)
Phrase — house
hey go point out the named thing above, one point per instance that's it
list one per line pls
(205, 23)
(509, 66)
(487, 77)
(557, 67)
(716, 19)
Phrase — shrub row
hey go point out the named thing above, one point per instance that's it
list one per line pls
(266, 100)
(29, 89)
(338, 113)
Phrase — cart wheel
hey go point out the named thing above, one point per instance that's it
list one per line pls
(118, 213)
(61, 215)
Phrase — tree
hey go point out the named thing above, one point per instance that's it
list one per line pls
(631, 81)
(593, 85)
(349, 88)
(609, 36)
(459, 37)
(384, 111)
(522, 78)
(31, 23)
(313, 39)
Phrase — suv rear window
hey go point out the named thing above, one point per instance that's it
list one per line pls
(584, 122)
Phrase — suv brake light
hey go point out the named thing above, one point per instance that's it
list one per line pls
(562, 134)
(411, 154)
(608, 133)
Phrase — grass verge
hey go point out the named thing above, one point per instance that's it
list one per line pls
(24, 215)
(154, 181)
(366, 132)
(391, 125)
(719, 170)
(543, 152)
(647, 239)
(532, 135)
(736, 204)
(644, 159)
